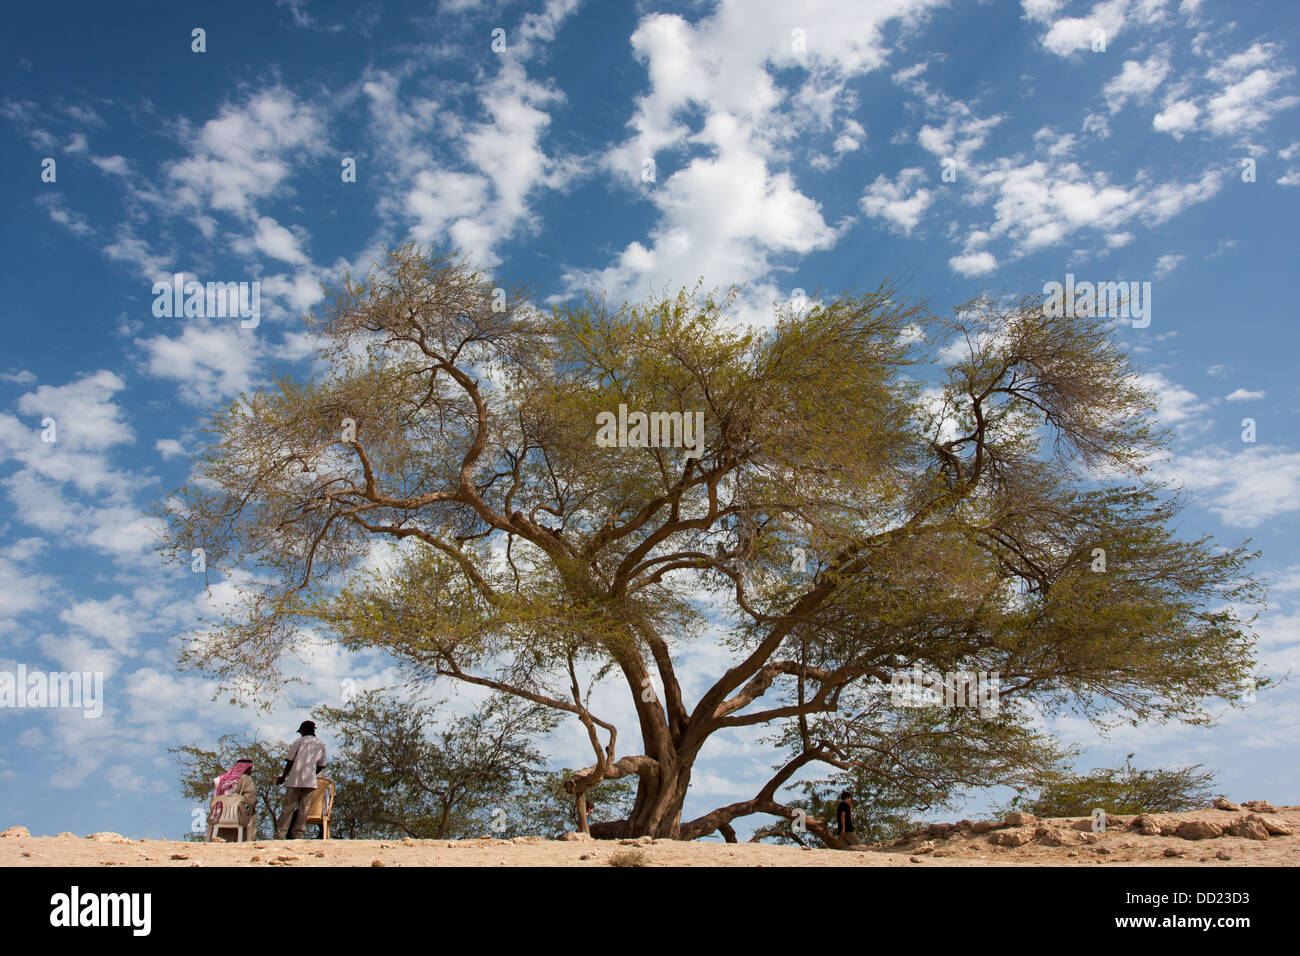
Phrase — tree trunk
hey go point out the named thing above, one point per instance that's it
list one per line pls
(657, 811)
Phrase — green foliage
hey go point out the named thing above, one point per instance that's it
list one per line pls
(547, 809)
(1124, 790)
(400, 772)
(949, 480)
(200, 767)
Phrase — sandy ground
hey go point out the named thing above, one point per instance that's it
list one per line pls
(962, 848)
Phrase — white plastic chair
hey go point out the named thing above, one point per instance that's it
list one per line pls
(229, 817)
(322, 802)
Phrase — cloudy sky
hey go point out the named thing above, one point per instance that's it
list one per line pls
(629, 147)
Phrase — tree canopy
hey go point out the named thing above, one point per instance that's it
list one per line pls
(876, 489)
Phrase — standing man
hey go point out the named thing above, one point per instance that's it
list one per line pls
(844, 819)
(306, 759)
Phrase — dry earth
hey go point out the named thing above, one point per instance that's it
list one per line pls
(1255, 834)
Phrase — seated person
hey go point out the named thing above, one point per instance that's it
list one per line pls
(237, 784)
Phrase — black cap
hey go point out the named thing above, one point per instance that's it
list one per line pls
(846, 795)
(307, 727)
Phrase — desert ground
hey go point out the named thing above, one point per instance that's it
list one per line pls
(1252, 834)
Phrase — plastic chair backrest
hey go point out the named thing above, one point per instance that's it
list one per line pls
(322, 800)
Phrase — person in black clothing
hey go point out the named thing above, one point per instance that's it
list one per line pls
(844, 819)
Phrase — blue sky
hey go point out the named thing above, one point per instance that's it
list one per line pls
(795, 145)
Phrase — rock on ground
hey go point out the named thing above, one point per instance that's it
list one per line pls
(1198, 830)
(1011, 837)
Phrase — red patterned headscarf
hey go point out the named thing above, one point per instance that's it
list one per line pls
(226, 782)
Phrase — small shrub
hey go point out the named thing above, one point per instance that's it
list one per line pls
(629, 857)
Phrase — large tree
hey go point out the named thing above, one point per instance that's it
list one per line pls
(876, 489)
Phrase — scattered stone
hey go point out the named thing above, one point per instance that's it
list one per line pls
(1274, 825)
(15, 832)
(1198, 830)
(914, 859)
(26, 853)
(943, 852)
(575, 837)
(1091, 838)
(107, 837)
(1223, 855)
(217, 839)
(319, 853)
(378, 863)
(1223, 803)
(1011, 837)
(1051, 836)
(927, 847)
(408, 842)
(65, 833)
(586, 856)
(1248, 828)
(180, 856)
(1260, 806)
(1102, 850)
(1155, 824)
(1071, 853)
(256, 859)
(1018, 818)
(1112, 823)
(984, 826)
(1170, 851)
(196, 863)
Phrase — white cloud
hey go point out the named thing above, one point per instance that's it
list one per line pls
(1250, 95)
(1167, 264)
(1243, 395)
(114, 165)
(208, 361)
(973, 263)
(276, 241)
(892, 202)
(730, 211)
(246, 153)
(1176, 405)
(1136, 80)
(1177, 118)
(1069, 35)
(1245, 488)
